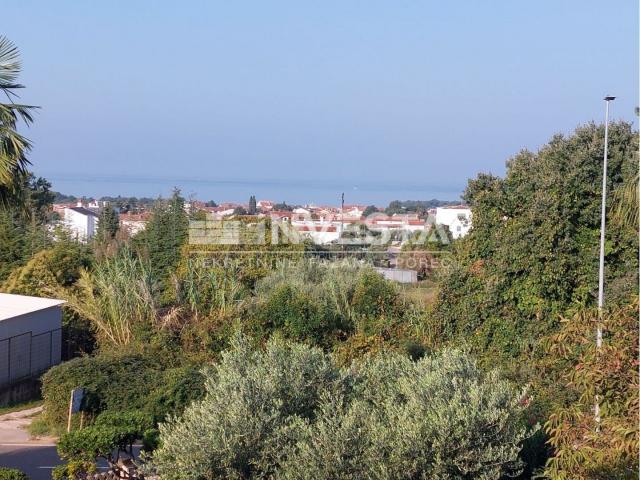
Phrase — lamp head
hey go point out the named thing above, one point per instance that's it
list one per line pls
(609, 98)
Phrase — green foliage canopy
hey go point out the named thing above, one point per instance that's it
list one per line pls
(289, 412)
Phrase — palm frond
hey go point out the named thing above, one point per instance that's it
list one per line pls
(10, 66)
(626, 203)
(13, 146)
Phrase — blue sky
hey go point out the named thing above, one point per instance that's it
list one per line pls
(300, 100)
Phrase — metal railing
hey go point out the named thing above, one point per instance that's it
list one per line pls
(27, 355)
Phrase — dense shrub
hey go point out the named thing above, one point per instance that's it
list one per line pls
(120, 384)
(319, 301)
(288, 412)
(132, 423)
(92, 442)
(12, 474)
(240, 427)
(73, 470)
(608, 449)
(374, 296)
(176, 390)
(297, 314)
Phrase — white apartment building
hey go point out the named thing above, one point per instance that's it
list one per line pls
(81, 222)
(457, 218)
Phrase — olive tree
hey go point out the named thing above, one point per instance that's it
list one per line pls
(288, 412)
(252, 401)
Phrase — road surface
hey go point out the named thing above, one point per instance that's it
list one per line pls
(36, 460)
(35, 457)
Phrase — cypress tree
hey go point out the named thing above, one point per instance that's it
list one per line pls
(253, 209)
(108, 224)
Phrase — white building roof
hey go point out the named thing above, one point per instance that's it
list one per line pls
(16, 305)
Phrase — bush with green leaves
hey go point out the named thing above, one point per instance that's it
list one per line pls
(117, 383)
(318, 300)
(12, 474)
(289, 412)
(111, 433)
(239, 429)
(112, 382)
(177, 388)
(96, 441)
(73, 470)
(374, 296)
(133, 424)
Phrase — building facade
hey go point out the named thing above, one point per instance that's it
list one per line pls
(30, 336)
(457, 218)
(81, 222)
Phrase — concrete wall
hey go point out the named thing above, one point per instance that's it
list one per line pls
(30, 344)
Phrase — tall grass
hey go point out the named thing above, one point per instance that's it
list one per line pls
(332, 283)
(209, 291)
(117, 296)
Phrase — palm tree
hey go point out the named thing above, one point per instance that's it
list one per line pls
(626, 202)
(13, 146)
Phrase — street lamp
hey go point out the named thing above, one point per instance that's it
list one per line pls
(607, 99)
(603, 222)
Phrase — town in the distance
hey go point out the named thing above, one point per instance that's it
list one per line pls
(321, 224)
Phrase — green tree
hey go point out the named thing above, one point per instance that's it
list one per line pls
(13, 240)
(533, 249)
(38, 197)
(165, 235)
(283, 207)
(369, 210)
(582, 449)
(47, 273)
(253, 209)
(13, 146)
(23, 229)
(240, 211)
(289, 412)
(374, 296)
(108, 224)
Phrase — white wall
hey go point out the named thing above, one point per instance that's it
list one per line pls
(80, 225)
(451, 218)
(30, 344)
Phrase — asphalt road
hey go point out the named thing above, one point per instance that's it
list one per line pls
(36, 461)
(35, 457)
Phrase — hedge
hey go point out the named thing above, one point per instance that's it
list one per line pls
(12, 474)
(131, 382)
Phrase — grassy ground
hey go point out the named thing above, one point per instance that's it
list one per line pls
(422, 293)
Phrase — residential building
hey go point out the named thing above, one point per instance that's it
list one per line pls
(134, 222)
(30, 336)
(81, 222)
(457, 218)
(265, 205)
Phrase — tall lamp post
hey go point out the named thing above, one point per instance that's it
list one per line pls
(607, 100)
